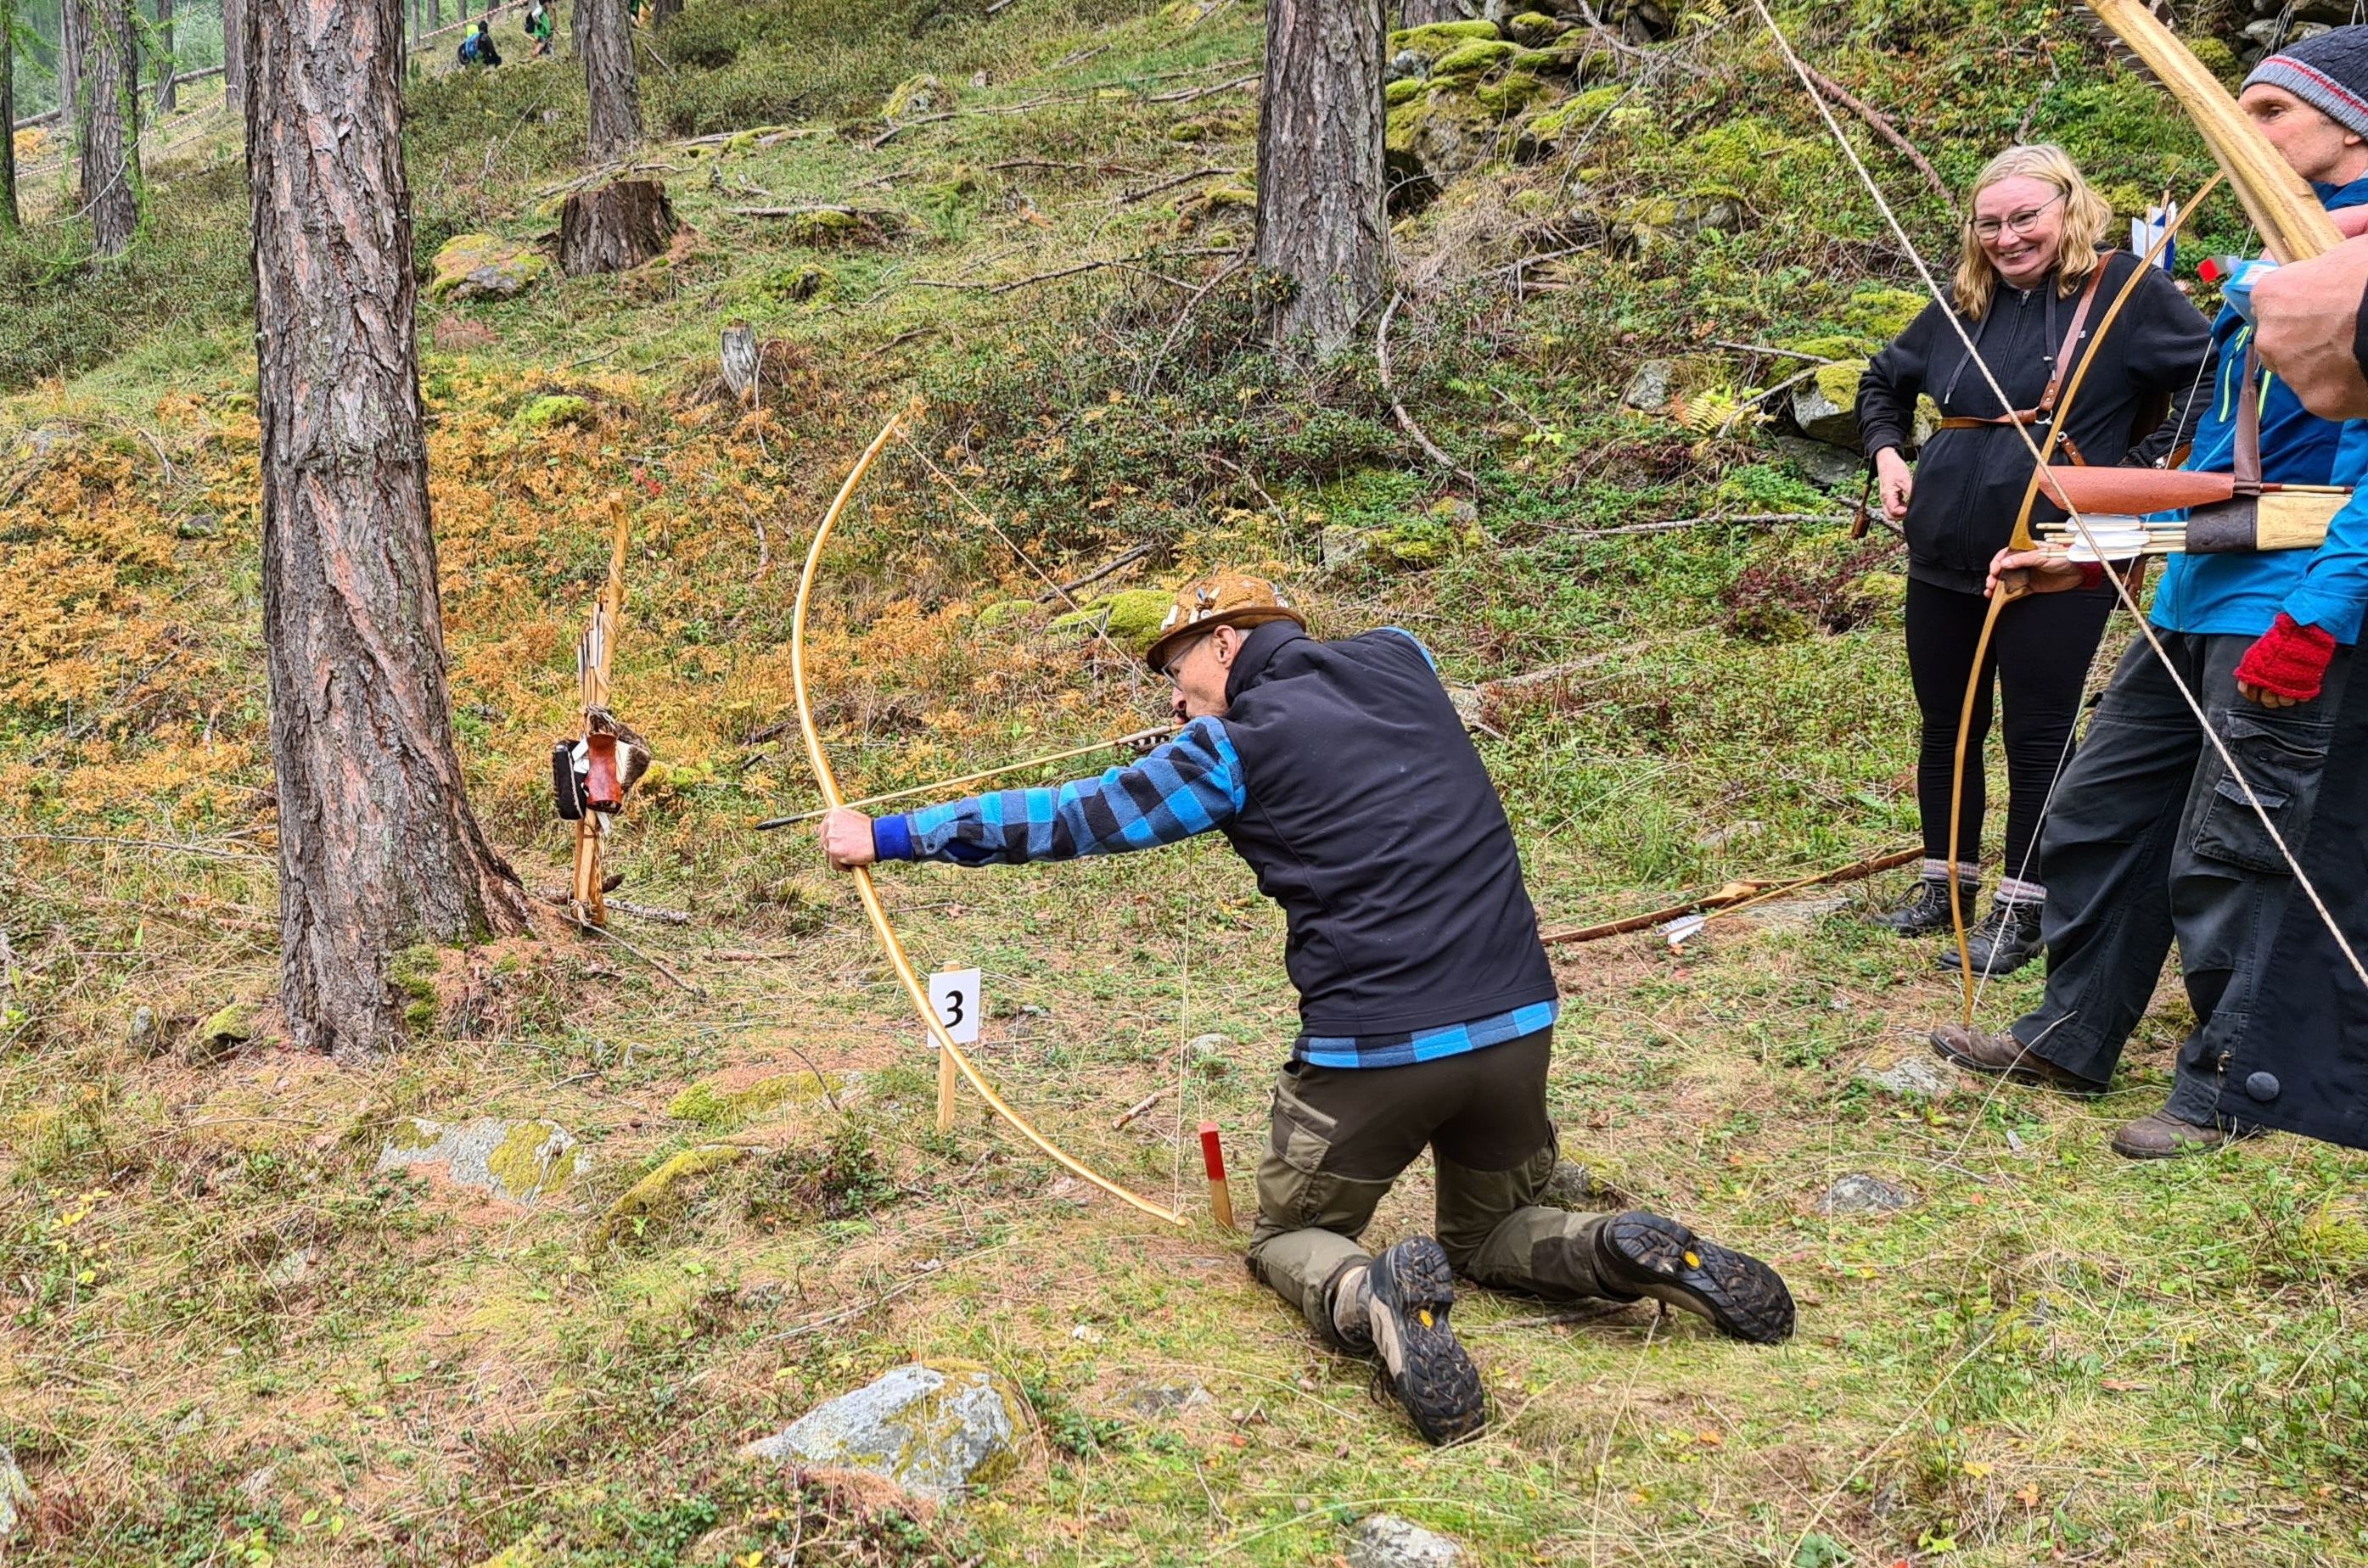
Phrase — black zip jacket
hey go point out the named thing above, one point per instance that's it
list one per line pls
(1969, 484)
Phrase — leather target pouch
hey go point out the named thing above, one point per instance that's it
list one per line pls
(2283, 763)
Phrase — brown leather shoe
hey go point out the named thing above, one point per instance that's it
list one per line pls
(2162, 1136)
(2003, 1056)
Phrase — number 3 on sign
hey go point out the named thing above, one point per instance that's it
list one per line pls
(954, 993)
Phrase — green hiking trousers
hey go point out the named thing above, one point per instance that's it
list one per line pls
(1341, 1136)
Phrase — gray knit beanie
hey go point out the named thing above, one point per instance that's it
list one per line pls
(2328, 72)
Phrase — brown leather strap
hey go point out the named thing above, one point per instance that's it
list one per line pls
(2071, 345)
(2247, 463)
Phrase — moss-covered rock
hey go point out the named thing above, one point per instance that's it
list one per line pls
(1131, 617)
(1442, 39)
(796, 284)
(223, 1033)
(16, 1497)
(553, 409)
(1005, 612)
(1406, 89)
(1828, 346)
(939, 1429)
(1883, 313)
(1438, 136)
(917, 96)
(1536, 28)
(2338, 1233)
(1472, 59)
(1511, 93)
(471, 266)
(718, 1106)
(662, 1189)
(1825, 406)
(1575, 113)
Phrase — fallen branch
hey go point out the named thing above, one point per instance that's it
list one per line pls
(1138, 1107)
(1144, 193)
(1884, 129)
(567, 908)
(1770, 349)
(1063, 164)
(1059, 272)
(1064, 590)
(1405, 420)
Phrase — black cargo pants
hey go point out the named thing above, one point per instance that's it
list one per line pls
(1341, 1136)
(2151, 840)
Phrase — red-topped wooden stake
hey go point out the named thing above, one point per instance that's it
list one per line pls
(1213, 1155)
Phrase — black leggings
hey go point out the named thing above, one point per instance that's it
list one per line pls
(2040, 657)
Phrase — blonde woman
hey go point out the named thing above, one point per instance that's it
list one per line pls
(2032, 287)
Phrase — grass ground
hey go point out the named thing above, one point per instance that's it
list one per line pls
(229, 1340)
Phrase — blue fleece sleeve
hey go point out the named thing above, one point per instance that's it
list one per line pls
(2334, 587)
(1189, 785)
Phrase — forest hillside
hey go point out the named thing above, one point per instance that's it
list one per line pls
(520, 1294)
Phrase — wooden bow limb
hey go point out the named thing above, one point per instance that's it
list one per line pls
(827, 782)
(2019, 539)
(1157, 732)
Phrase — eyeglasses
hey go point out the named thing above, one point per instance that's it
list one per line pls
(1169, 669)
(2015, 223)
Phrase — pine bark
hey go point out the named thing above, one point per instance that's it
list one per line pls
(663, 11)
(69, 45)
(167, 68)
(604, 39)
(1423, 13)
(11, 219)
(1320, 179)
(107, 130)
(234, 55)
(378, 849)
(615, 228)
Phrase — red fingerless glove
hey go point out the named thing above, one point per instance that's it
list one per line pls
(2289, 661)
(2092, 574)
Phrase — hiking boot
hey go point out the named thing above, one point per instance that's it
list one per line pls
(2162, 1136)
(1927, 909)
(2003, 1056)
(1637, 1254)
(2007, 939)
(1408, 1293)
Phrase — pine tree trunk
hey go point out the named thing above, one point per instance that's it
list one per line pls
(663, 11)
(108, 133)
(168, 69)
(234, 55)
(1423, 13)
(1320, 179)
(378, 848)
(69, 65)
(11, 219)
(604, 38)
(615, 228)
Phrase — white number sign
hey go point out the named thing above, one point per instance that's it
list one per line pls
(954, 993)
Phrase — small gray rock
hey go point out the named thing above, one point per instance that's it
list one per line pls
(1405, 64)
(199, 525)
(1574, 1186)
(1827, 466)
(1820, 417)
(1864, 1194)
(524, 1163)
(16, 1496)
(1911, 1078)
(143, 1032)
(291, 1269)
(1211, 1055)
(1384, 1540)
(1163, 1399)
(1649, 387)
(937, 1430)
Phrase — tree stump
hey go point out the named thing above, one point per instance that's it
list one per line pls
(615, 228)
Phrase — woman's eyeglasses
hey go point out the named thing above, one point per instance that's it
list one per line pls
(2014, 222)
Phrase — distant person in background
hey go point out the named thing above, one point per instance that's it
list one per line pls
(2032, 287)
(539, 27)
(478, 49)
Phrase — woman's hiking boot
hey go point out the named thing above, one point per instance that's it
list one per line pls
(1406, 1295)
(1637, 1254)
(2003, 1056)
(1927, 909)
(2007, 939)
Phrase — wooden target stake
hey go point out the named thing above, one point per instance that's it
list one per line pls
(1212, 1156)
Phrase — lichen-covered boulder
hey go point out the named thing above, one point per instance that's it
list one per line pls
(1549, 126)
(1384, 1540)
(471, 267)
(918, 95)
(1405, 90)
(1883, 313)
(1864, 1194)
(718, 1105)
(1511, 93)
(1536, 28)
(662, 1188)
(939, 1429)
(1131, 616)
(525, 1162)
(1005, 612)
(1825, 406)
(221, 1034)
(16, 1496)
(1472, 59)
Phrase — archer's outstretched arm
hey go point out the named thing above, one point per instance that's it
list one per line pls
(1187, 785)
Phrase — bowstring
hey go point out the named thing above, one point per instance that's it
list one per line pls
(2080, 523)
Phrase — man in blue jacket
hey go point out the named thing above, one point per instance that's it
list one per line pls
(1340, 772)
(2151, 839)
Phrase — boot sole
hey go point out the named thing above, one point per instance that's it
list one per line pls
(1742, 1297)
(1438, 1384)
(1946, 960)
(2065, 1085)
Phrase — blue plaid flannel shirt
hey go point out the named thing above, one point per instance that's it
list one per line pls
(1189, 785)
